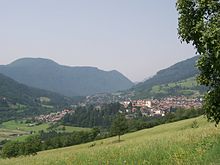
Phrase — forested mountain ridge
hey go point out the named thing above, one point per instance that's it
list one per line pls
(176, 79)
(69, 81)
(18, 100)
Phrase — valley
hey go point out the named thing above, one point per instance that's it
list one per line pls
(110, 82)
(45, 107)
(53, 120)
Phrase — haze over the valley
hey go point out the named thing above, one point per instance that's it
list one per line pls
(137, 38)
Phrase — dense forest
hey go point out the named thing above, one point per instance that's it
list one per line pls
(90, 116)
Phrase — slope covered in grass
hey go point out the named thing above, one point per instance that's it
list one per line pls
(187, 87)
(175, 143)
(175, 73)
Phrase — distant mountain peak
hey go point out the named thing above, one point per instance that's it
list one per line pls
(32, 62)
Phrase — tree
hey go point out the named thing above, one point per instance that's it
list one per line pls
(119, 126)
(199, 24)
(11, 149)
(32, 145)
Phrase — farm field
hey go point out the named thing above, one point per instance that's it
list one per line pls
(71, 128)
(18, 125)
(19, 130)
(185, 87)
(174, 143)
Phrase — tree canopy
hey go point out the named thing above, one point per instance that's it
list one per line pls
(119, 126)
(199, 24)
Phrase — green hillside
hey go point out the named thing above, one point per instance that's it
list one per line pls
(175, 143)
(18, 100)
(187, 87)
(178, 79)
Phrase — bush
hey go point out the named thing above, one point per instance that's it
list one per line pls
(11, 149)
(195, 124)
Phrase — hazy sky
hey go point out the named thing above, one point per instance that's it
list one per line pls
(135, 37)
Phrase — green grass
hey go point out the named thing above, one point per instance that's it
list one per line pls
(186, 92)
(44, 99)
(47, 106)
(71, 128)
(187, 87)
(159, 89)
(169, 144)
(17, 125)
(18, 106)
(9, 128)
(8, 134)
(188, 83)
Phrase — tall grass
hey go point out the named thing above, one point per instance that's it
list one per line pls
(174, 143)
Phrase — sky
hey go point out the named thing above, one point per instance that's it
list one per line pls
(135, 37)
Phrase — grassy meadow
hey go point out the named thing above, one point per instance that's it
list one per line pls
(9, 129)
(174, 143)
(18, 125)
(186, 85)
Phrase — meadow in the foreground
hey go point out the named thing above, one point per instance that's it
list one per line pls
(175, 143)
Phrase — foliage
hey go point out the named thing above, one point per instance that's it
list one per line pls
(11, 149)
(54, 139)
(31, 145)
(14, 148)
(47, 140)
(119, 126)
(195, 124)
(89, 116)
(199, 23)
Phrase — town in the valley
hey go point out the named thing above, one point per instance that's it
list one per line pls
(159, 107)
(147, 107)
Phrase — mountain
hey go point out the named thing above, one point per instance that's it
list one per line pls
(178, 79)
(69, 81)
(18, 100)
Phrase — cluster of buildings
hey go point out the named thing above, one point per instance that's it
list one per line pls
(159, 107)
(103, 98)
(147, 107)
(54, 117)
